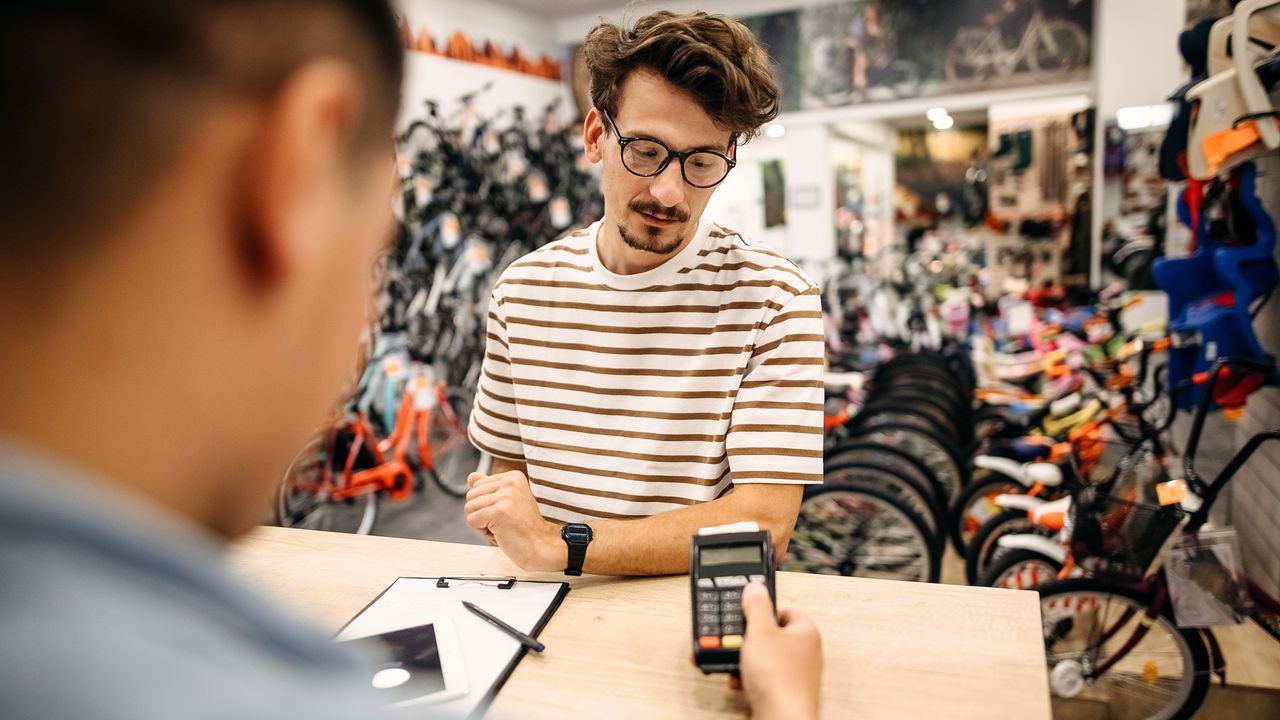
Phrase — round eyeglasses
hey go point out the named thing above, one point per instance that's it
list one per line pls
(647, 157)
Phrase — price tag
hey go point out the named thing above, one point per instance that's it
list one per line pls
(393, 367)
(450, 231)
(1172, 492)
(424, 396)
(422, 191)
(538, 189)
(490, 142)
(561, 217)
(517, 166)
(478, 255)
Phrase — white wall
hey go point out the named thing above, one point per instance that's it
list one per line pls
(1135, 62)
(738, 202)
(429, 77)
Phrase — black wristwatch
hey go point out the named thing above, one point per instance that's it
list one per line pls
(577, 536)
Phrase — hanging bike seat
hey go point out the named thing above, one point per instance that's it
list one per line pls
(1212, 292)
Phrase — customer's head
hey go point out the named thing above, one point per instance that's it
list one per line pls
(690, 82)
(191, 194)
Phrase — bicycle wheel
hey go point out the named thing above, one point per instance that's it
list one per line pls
(893, 458)
(925, 445)
(920, 499)
(933, 416)
(976, 505)
(303, 498)
(1086, 624)
(453, 456)
(964, 64)
(860, 531)
(983, 547)
(1060, 47)
(1020, 569)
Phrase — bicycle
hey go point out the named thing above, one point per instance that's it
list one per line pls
(1115, 634)
(338, 479)
(1046, 46)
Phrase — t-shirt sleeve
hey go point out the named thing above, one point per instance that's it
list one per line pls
(495, 425)
(775, 435)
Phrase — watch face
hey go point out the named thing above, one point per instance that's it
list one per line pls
(576, 533)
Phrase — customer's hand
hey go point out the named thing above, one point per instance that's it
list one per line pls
(781, 661)
(503, 509)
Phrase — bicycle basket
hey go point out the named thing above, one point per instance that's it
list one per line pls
(1118, 529)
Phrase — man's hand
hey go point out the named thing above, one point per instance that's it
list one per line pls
(781, 661)
(502, 508)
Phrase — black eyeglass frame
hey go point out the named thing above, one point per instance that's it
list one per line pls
(624, 140)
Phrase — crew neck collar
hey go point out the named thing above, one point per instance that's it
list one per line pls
(649, 278)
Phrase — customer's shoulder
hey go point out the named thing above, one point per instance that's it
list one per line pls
(752, 263)
(79, 631)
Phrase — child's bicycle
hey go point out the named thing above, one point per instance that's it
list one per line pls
(336, 482)
(1111, 636)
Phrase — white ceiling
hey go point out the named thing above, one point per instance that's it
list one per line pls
(565, 8)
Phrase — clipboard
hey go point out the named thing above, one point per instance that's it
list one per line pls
(490, 655)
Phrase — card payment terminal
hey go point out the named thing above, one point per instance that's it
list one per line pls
(719, 567)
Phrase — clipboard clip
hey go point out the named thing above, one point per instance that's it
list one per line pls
(504, 583)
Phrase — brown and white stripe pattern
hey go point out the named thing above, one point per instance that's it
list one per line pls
(627, 396)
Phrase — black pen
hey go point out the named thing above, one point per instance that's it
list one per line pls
(525, 640)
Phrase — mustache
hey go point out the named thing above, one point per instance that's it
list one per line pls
(653, 208)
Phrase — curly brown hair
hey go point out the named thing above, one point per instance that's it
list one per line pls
(714, 58)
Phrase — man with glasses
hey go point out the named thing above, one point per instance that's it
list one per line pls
(656, 372)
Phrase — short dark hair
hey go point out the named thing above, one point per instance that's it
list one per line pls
(100, 95)
(714, 58)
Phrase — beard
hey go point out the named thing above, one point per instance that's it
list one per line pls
(650, 239)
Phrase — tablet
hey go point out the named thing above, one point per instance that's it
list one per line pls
(420, 665)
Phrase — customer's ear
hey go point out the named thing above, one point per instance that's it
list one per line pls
(295, 166)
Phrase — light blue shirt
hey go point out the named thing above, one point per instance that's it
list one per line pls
(114, 610)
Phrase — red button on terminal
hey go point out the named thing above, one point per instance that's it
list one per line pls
(709, 642)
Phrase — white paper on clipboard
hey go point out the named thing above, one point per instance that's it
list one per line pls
(488, 654)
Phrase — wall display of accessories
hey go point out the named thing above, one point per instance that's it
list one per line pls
(476, 194)
(1038, 185)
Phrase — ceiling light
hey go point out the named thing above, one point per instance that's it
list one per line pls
(944, 123)
(775, 130)
(935, 114)
(1144, 116)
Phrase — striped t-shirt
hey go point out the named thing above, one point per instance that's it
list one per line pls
(631, 395)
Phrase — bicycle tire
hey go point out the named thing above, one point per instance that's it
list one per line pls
(1074, 48)
(982, 548)
(452, 467)
(307, 510)
(943, 461)
(947, 423)
(1020, 569)
(1060, 597)
(959, 526)
(909, 377)
(919, 498)
(808, 550)
(893, 457)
